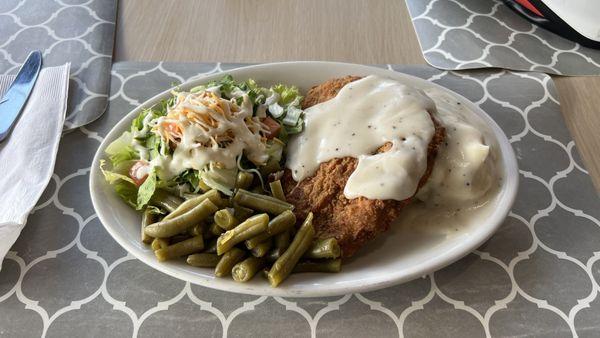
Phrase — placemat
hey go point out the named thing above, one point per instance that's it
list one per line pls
(76, 31)
(538, 275)
(466, 34)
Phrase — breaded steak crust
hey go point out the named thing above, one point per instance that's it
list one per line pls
(353, 222)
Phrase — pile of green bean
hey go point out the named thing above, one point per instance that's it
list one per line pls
(238, 236)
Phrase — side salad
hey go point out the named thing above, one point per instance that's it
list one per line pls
(204, 168)
(203, 139)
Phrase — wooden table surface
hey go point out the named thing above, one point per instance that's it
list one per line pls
(367, 32)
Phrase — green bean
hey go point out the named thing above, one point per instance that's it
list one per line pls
(261, 202)
(277, 190)
(179, 238)
(203, 260)
(225, 219)
(270, 167)
(196, 230)
(215, 229)
(262, 249)
(189, 246)
(284, 265)
(274, 254)
(147, 218)
(283, 222)
(189, 195)
(228, 260)
(207, 232)
(246, 269)
(165, 200)
(247, 229)
(159, 243)
(212, 195)
(328, 265)
(211, 246)
(182, 222)
(280, 242)
(244, 180)
(242, 213)
(324, 248)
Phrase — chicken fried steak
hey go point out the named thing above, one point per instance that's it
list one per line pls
(353, 222)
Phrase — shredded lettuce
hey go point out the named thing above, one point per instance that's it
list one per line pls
(275, 149)
(155, 210)
(292, 117)
(122, 184)
(220, 178)
(284, 105)
(287, 94)
(138, 122)
(191, 177)
(120, 150)
(128, 192)
(297, 128)
(113, 176)
(146, 190)
(276, 110)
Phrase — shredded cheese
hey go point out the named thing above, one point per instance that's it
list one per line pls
(204, 128)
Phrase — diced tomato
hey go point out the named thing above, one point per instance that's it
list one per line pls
(139, 172)
(273, 127)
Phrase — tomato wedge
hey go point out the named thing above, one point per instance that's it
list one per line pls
(139, 172)
(273, 127)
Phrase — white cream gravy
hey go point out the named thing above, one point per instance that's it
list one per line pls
(365, 115)
(465, 177)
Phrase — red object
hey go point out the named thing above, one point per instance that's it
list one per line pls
(273, 127)
(134, 172)
(529, 6)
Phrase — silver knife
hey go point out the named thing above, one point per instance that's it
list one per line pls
(17, 94)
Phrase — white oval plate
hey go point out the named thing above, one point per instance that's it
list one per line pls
(392, 259)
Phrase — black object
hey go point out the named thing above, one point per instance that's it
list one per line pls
(550, 21)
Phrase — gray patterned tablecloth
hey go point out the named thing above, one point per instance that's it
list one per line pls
(466, 34)
(537, 276)
(77, 31)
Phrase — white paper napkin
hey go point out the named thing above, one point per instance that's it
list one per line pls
(27, 156)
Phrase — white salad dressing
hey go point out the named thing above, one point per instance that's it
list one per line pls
(363, 116)
(209, 134)
(137, 145)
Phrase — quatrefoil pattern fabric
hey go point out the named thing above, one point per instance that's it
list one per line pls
(466, 34)
(538, 275)
(77, 31)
